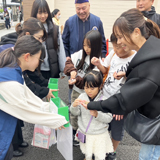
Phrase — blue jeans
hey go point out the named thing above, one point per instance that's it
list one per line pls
(149, 152)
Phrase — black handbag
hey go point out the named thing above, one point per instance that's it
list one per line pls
(143, 129)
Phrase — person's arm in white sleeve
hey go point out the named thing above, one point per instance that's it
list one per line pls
(24, 105)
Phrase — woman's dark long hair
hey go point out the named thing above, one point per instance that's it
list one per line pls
(42, 6)
(132, 19)
(25, 44)
(31, 25)
(94, 40)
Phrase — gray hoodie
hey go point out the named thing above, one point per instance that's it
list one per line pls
(99, 124)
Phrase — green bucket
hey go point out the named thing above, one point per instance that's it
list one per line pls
(63, 109)
(53, 84)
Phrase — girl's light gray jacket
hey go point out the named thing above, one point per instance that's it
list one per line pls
(98, 124)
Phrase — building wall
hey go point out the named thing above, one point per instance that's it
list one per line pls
(157, 5)
(27, 6)
(51, 4)
(107, 10)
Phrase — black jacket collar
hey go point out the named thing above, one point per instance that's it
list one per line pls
(149, 13)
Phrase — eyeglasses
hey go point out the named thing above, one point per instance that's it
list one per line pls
(39, 38)
(41, 60)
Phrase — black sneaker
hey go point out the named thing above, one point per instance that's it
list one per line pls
(17, 153)
(75, 143)
(23, 144)
(111, 156)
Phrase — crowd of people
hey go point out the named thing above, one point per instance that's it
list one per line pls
(104, 91)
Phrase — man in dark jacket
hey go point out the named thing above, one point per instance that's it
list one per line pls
(145, 6)
(78, 25)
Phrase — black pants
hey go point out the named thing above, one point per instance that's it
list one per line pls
(7, 23)
(18, 137)
(9, 154)
(46, 74)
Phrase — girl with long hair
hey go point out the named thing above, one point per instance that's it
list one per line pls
(54, 61)
(79, 64)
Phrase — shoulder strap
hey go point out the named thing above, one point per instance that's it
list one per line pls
(89, 123)
(106, 74)
(92, 117)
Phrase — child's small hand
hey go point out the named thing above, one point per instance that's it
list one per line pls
(84, 103)
(118, 117)
(93, 113)
(119, 75)
(71, 81)
(95, 61)
(76, 103)
(73, 74)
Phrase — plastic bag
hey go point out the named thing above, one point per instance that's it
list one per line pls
(65, 142)
(53, 108)
(53, 139)
(41, 136)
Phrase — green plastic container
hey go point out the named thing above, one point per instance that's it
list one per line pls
(62, 109)
(53, 84)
